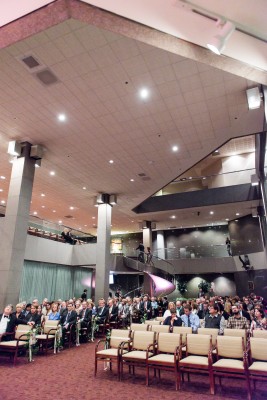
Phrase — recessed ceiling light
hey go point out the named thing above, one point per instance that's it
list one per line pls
(132, 180)
(236, 220)
(84, 187)
(211, 212)
(85, 225)
(3, 202)
(1, 190)
(204, 177)
(190, 177)
(61, 117)
(42, 195)
(71, 208)
(60, 222)
(52, 173)
(174, 148)
(2, 177)
(237, 214)
(35, 213)
(43, 206)
(80, 229)
(111, 161)
(144, 93)
(93, 217)
(54, 211)
(173, 217)
(226, 219)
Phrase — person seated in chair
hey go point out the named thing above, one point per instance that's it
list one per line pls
(33, 318)
(214, 319)
(66, 235)
(172, 320)
(67, 320)
(101, 311)
(54, 315)
(113, 310)
(85, 315)
(8, 322)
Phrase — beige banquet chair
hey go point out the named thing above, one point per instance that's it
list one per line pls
(47, 337)
(258, 359)
(139, 350)
(198, 358)
(232, 359)
(18, 345)
(111, 351)
(167, 355)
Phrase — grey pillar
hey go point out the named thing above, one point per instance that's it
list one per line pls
(103, 252)
(147, 236)
(14, 228)
(161, 245)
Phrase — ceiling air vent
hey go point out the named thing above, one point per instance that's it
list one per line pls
(30, 61)
(47, 77)
(146, 178)
(142, 174)
(68, 216)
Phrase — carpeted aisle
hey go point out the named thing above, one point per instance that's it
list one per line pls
(69, 375)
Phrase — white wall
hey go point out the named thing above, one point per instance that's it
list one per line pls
(50, 251)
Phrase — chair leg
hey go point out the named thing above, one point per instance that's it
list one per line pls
(212, 386)
(95, 366)
(248, 387)
(147, 375)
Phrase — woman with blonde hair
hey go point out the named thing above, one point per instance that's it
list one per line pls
(167, 313)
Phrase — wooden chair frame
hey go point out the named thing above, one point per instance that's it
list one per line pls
(111, 356)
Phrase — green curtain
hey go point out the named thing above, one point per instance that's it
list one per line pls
(40, 280)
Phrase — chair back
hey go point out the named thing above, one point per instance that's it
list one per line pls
(258, 348)
(139, 327)
(198, 344)
(159, 328)
(209, 331)
(167, 342)
(161, 319)
(230, 346)
(152, 322)
(183, 330)
(22, 330)
(257, 333)
(117, 336)
(49, 324)
(236, 332)
(142, 339)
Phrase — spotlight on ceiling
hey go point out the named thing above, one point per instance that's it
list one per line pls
(254, 98)
(224, 30)
(37, 163)
(14, 148)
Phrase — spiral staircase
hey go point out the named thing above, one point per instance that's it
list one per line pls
(158, 274)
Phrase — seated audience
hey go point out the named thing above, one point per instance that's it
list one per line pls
(33, 318)
(167, 313)
(214, 319)
(54, 315)
(172, 320)
(113, 310)
(66, 235)
(8, 322)
(85, 315)
(101, 311)
(259, 322)
(189, 319)
(67, 320)
(236, 321)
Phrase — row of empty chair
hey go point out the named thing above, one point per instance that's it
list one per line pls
(45, 234)
(182, 352)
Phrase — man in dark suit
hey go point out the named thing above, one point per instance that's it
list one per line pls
(102, 311)
(113, 310)
(8, 322)
(85, 315)
(67, 320)
(33, 318)
(173, 320)
(63, 309)
(145, 307)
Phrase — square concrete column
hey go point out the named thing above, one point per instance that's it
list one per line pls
(103, 252)
(14, 229)
(161, 245)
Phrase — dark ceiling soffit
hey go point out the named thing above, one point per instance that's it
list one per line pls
(200, 198)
